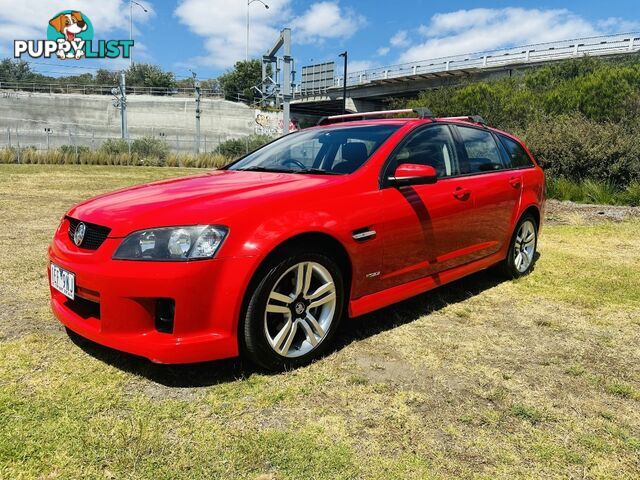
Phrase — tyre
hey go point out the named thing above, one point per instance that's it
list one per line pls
(293, 311)
(522, 249)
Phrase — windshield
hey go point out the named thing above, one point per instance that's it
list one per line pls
(328, 151)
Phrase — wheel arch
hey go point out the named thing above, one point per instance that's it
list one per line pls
(534, 211)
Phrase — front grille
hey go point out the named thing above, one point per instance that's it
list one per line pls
(94, 235)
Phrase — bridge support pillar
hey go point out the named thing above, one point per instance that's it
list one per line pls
(356, 105)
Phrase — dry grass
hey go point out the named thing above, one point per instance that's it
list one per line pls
(480, 379)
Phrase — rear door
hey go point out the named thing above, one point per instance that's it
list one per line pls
(496, 187)
(425, 228)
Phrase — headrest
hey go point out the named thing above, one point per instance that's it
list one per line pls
(355, 152)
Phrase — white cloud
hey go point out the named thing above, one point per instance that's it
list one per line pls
(222, 23)
(400, 39)
(468, 31)
(326, 20)
(359, 65)
(620, 25)
(382, 51)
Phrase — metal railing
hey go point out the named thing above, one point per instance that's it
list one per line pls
(23, 139)
(51, 88)
(542, 52)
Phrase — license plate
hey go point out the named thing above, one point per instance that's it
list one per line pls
(63, 281)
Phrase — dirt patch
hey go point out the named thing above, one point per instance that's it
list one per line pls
(568, 213)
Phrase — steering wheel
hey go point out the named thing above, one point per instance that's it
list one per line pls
(295, 162)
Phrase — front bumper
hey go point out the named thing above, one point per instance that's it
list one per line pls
(123, 295)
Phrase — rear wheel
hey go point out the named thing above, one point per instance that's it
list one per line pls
(293, 311)
(522, 250)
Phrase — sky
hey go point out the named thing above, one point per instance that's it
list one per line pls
(209, 36)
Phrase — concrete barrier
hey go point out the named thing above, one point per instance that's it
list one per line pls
(76, 119)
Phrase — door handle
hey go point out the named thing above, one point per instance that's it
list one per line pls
(515, 182)
(461, 193)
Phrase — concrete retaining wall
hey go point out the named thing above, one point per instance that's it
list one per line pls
(90, 119)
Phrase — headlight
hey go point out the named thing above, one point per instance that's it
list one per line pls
(172, 243)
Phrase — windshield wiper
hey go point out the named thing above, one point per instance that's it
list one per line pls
(264, 169)
(310, 171)
(316, 171)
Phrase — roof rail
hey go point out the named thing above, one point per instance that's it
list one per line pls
(467, 118)
(350, 117)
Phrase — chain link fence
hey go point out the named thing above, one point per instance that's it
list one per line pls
(48, 140)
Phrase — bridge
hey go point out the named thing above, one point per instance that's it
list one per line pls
(368, 89)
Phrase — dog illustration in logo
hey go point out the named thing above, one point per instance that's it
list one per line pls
(69, 25)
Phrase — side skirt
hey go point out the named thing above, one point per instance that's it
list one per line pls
(375, 301)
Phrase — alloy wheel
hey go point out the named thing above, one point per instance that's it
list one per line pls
(525, 246)
(300, 309)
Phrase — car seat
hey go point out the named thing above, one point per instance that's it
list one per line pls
(354, 154)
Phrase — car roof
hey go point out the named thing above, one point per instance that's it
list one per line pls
(413, 121)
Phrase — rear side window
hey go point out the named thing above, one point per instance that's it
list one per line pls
(482, 151)
(517, 156)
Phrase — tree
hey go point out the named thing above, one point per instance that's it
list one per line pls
(106, 77)
(16, 71)
(146, 75)
(241, 80)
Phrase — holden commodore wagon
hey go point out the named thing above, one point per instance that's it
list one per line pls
(266, 256)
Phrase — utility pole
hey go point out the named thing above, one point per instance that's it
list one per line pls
(249, 2)
(131, 2)
(196, 85)
(344, 83)
(123, 106)
(120, 102)
(280, 86)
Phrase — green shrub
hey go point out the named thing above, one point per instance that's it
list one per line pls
(151, 151)
(601, 90)
(576, 148)
(563, 189)
(591, 191)
(600, 192)
(150, 147)
(236, 147)
(115, 146)
(631, 195)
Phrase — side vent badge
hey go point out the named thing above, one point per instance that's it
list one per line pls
(363, 234)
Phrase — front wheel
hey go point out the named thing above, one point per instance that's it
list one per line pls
(293, 311)
(522, 250)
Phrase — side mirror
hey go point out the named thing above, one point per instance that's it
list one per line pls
(413, 174)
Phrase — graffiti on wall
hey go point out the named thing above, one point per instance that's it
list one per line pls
(271, 123)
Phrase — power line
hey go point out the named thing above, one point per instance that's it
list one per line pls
(82, 67)
(62, 65)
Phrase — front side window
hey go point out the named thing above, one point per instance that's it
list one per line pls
(433, 146)
(482, 151)
(518, 158)
(333, 150)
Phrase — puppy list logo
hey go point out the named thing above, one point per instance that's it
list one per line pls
(70, 36)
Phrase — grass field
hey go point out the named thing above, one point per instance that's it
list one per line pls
(480, 379)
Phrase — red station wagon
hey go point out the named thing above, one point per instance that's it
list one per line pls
(264, 257)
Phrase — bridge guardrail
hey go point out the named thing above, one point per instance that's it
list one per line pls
(594, 46)
(51, 88)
